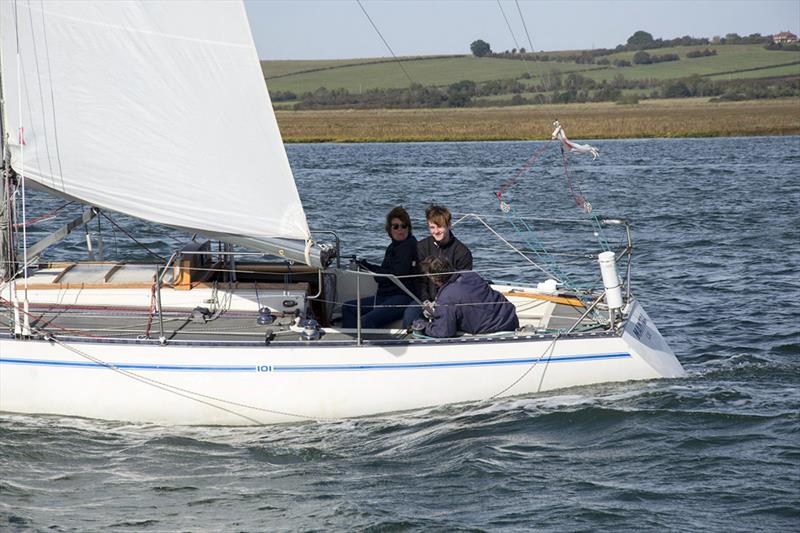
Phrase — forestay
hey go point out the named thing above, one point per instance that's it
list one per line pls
(154, 109)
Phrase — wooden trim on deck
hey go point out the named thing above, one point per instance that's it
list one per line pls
(299, 286)
(557, 299)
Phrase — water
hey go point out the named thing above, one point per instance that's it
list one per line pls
(717, 249)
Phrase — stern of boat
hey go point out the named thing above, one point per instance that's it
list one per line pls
(642, 337)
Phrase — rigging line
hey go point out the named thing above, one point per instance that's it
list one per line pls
(148, 250)
(531, 261)
(22, 159)
(44, 323)
(192, 395)
(173, 389)
(524, 58)
(541, 253)
(184, 393)
(575, 191)
(555, 272)
(524, 25)
(52, 98)
(9, 254)
(46, 216)
(39, 84)
(508, 24)
(151, 311)
(531, 218)
(508, 183)
(399, 63)
(584, 204)
(550, 348)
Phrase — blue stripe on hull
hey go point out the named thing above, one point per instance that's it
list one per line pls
(318, 368)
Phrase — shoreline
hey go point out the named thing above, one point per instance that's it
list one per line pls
(673, 118)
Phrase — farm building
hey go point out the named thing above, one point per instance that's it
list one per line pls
(784, 37)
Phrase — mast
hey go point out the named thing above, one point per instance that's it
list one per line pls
(6, 223)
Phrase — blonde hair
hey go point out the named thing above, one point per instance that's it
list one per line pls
(439, 215)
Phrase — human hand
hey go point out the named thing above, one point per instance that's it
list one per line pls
(428, 308)
(357, 264)
(419, 325)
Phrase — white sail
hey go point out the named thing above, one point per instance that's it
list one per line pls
(154, 109)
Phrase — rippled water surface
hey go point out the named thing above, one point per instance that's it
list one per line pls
(716, 264)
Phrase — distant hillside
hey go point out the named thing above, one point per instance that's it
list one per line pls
(725, 71)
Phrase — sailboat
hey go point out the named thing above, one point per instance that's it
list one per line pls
(159, 111)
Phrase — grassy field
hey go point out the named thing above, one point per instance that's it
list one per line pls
(440, 71)
(277, 69)
(652, 118)
(770, 72)
(731, 61)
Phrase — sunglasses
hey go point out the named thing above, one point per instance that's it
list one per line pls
(399, 226)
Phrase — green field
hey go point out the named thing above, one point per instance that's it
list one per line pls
(279, 69)
(729, 59)
(769, 72)
(387, 74)
(356, 75)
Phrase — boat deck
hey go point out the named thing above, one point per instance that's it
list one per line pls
(228, 327)
(141, 325)
(119, 302)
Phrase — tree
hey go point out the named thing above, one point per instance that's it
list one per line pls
(551, 79)
(640, 40)
(676, 89)
(641, 58)
(732, 38)
(480, 48)
(465, 87)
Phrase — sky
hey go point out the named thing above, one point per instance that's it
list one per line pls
(338, 29)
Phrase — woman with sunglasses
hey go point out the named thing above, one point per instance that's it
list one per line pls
(400, 259)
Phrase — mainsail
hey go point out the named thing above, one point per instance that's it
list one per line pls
(153, 109)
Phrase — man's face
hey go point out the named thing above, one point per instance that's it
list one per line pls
(439, 233)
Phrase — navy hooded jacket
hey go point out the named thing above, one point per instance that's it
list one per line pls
(492, 313)
(400, 259)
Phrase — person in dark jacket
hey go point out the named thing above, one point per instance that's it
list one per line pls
(465, 302)
(441, 243)
(400, 259)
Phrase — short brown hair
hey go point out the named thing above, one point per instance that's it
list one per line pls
(439, 215)
(400, 213)
(438, 268)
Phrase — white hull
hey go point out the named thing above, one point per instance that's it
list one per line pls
(230, 329)
(242, 385)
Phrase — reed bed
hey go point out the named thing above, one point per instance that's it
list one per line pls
(665, 118)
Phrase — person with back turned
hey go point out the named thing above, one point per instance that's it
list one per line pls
(465, 302)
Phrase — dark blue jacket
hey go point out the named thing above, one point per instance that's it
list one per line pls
(492, 312)
(455, 251)
(400, 259)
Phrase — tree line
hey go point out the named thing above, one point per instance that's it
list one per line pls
(639, 41)
(550, 88)
(554, 87)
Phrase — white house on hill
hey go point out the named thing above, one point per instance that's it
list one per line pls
(784, 37)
